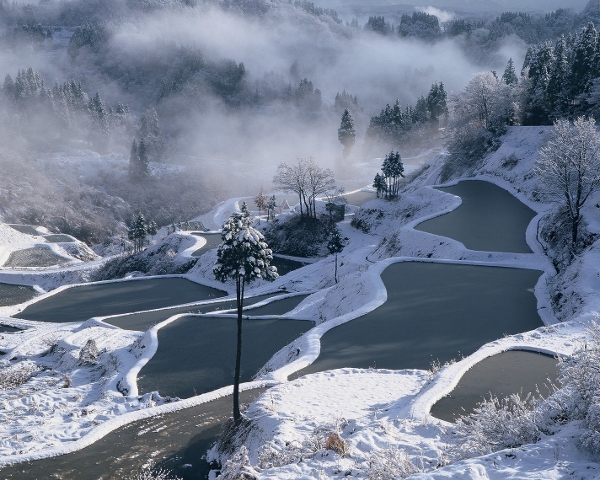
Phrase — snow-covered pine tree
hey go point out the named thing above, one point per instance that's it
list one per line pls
(346, 132)
(510, 75)
(392, 169)
(379, 185)
(271, 206)
(243, 256)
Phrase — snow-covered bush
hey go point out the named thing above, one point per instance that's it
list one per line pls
(494, 425)
(16, 375)
(390, 463)
(238, 467)
(579, 397)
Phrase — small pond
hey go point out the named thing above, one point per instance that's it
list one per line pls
(35, 257)
(15, 294)
(113, 298)
(59, 238)
(285, 265)
(197, 354)
(515, 371)
(176, 441)
(488, 219)
(27, 229)
(433, 312)
(7, 329)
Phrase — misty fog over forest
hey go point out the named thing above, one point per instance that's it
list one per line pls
(220, 92)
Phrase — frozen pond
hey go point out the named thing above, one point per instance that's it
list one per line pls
(515, 371)
(15, 294)
(285, 265)
(176, 441)
(488, 219)
(433, 312)
(113, 298)
(196, 354)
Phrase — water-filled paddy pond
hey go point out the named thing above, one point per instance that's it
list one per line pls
(488, 219)
(196, 354)
(113, 298)
(433, 312)
(15, 294)
(515, 371)
(144, 320)
(176, 441)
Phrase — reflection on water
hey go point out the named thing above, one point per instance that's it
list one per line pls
(488, 219)
(114, 298)
(433, 312)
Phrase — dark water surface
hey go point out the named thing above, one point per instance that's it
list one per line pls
(176, 441)
(144, 320)
(81, 303)
(197, 354)
(515, 371)
(433, 312)
(280, 307)
(15, 294)
(213, 240)
(358, 198)
(489, 219)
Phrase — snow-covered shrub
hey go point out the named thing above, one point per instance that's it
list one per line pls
(579, 397)
(494, 425)
(88, 355)
(16, 375)
(238, 467)
(390, 463)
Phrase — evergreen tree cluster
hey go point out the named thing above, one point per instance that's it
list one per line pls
(388, 182)
(564, 77)
(420, 25)
(30, 109)
(393, 123)
(139, 230)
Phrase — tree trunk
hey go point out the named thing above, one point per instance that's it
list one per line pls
(574, 233)
(335, 271)
(238, 356)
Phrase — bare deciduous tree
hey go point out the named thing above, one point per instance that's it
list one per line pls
(569, 167)
(307, 180)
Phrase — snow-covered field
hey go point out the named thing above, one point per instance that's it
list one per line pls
(71, 396)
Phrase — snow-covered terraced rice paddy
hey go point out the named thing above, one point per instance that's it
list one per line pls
(35, 257)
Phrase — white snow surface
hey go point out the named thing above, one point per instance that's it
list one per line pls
(376, 412)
